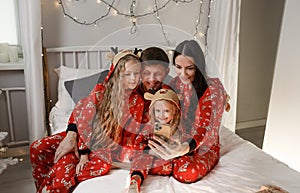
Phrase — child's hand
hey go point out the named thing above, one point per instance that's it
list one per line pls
(163, 131)
(82, 162)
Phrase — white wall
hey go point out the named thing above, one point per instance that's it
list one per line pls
(62, 31)
(259, 35)
(283, 123)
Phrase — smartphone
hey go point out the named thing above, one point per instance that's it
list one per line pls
(162, 130)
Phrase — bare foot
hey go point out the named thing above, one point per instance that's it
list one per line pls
(133, 188)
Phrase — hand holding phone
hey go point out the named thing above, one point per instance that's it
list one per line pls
(162, 130)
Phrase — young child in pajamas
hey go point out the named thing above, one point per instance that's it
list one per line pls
(99, 120)
(165, 116)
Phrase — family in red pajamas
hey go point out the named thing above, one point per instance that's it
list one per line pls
(104, 134)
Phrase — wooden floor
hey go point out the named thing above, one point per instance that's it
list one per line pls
(17, 178)
(254, 135)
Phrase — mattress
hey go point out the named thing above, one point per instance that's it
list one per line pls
(242, 168)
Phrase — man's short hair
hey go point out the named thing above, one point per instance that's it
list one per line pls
(154, 55)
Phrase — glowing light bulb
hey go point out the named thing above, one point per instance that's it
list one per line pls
(133, 29)
(57, 3)
(201, 34)
(133, 19)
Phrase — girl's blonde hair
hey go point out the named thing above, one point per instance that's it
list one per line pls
(107, 131)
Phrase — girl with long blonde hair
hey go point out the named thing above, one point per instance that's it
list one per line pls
(98, 118)
(109, 111)
(113, 108)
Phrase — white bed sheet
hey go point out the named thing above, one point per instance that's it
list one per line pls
(242, 168)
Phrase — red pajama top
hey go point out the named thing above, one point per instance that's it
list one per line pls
(85, 110)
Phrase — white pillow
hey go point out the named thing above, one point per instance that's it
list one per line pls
(63, 108)
(58, 121)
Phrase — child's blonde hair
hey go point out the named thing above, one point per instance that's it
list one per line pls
(106, 129)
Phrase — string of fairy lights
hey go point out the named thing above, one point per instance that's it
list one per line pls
(207, 27)
(157, 7)
(198, 24)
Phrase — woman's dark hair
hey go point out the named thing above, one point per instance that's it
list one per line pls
(192, 49)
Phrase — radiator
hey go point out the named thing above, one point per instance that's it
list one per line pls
(6, 92)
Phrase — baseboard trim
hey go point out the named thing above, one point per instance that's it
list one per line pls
(249, 124)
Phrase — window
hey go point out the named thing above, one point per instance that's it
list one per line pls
(9, 21)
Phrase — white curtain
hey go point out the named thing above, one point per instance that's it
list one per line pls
(30, 20)
(223, 51)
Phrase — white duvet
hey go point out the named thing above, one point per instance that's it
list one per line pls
(242, 168)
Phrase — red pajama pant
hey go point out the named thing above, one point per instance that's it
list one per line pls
(42, 153)
(191, 168)
(186, 169)
(60, 177)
